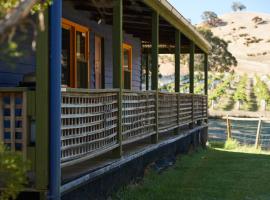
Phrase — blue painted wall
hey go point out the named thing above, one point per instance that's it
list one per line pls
(12, 69)
(105, 31)
(11, 73)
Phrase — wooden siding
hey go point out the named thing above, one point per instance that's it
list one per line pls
(12, 69)
(105, 31)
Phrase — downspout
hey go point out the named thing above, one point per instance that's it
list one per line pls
(55, 99)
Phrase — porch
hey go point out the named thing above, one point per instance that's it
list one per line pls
(75, 113)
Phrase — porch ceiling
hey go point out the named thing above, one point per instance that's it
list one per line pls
(136, 21)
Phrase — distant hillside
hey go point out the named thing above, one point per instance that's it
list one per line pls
(248, 35)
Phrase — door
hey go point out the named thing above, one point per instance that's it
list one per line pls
(98, 62)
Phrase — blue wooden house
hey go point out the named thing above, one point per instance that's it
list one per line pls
(78, 95)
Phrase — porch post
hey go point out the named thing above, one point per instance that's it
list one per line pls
(117, 64)
(147, 72)
(42, 108)
(177, 60)
(205, 74)
(191, 78)
(177, 71)
(55, 99)
(154, 66)
(191, 68)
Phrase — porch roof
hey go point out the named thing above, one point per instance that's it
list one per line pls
(168, 12)
(137, 16)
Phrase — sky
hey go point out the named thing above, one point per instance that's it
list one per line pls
(193, 9)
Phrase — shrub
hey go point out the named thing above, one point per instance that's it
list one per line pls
(13, 171)
(231, 144)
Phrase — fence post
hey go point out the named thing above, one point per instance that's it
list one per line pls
(154, 138)
(229, 133)
(191, 125)
(258, 134)
(1, 119)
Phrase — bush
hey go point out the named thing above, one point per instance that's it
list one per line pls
(231, 144)
(13, 175)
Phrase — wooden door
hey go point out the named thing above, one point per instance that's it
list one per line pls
(98, 62)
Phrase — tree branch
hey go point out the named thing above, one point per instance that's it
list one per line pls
(16, 15)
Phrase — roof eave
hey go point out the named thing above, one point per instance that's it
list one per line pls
(168, 12)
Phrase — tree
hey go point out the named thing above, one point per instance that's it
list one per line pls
(210, 18)
(238, 6)
(220, 59)
(15, 25)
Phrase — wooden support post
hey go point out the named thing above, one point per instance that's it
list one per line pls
(229, 133)
(154, 67)
(1, 119)
(258, 134)
(191, 78)
(117, 64)
(154, 53)
(42, 108)
(12, 121)
(147, 72)
(177, 72)
(205, 74)
(177, 60)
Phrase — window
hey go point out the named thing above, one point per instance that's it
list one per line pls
(75, 55)
(127, 66)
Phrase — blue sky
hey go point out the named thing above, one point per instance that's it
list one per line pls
(192, 9)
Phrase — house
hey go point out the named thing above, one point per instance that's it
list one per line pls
(79, 95)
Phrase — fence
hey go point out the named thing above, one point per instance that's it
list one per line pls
(13, 120)
(249, 131)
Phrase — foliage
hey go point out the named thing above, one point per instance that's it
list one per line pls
(14, 35)
(210, 18)
(6, 6)
(240, 93)
(261, 90)
(231, 144)
(12, 173)
(220, 89)
(238, 6)
(220, 59)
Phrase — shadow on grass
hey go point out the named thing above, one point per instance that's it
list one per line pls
(207, 175)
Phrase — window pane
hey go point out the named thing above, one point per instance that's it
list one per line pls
(65, 57)
(126, 59)
(80, 46)
(82, 65)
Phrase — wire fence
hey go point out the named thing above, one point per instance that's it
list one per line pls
(247, 131)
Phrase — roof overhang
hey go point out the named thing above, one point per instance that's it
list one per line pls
(168, 12)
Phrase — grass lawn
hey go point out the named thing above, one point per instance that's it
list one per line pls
(212, 174)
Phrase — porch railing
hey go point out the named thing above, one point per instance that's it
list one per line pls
(89, 124)
(13, 119)
(90, 119)
(138, 115)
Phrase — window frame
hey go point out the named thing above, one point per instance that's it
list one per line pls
(127, 47)
(74, 28)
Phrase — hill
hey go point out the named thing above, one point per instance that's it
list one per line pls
(248, 36)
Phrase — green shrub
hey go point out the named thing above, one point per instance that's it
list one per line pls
(13, 169)
(231, 144)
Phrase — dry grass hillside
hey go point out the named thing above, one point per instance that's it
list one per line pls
(248, 35)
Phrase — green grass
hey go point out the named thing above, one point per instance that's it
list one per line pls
(212, 174)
